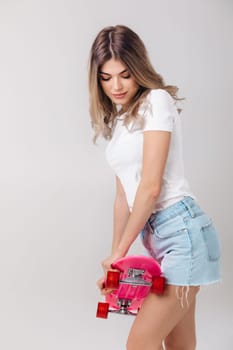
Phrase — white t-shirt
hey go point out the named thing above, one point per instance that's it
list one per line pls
(124, 150)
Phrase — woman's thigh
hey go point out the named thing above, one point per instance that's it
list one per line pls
(183, 335)
(158, 316)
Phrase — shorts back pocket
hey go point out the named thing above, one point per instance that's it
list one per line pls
(211, 239)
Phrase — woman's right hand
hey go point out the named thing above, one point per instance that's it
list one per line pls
(101, 286)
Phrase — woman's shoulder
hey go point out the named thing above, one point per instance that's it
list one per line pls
(158, 99)
(160, 112)
(159, 94)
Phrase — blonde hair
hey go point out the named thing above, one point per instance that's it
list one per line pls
(120, 42)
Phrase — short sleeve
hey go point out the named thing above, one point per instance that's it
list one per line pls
(161, 112)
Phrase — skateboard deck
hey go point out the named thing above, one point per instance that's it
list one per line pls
(132, 279)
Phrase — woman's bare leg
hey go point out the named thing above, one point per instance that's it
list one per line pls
(158, 316)
(183, 335)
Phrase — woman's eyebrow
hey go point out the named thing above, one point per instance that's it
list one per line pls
(125, 70)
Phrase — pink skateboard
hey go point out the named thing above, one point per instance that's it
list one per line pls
(135, 277)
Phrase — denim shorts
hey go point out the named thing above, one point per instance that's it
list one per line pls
(183, 239)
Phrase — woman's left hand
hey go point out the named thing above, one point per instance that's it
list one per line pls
(107, 263)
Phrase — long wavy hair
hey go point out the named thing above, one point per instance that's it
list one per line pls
(121, 43)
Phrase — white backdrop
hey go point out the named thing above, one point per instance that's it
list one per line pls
(56, 190)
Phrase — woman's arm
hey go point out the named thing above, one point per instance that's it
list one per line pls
(155, 152)
(120, 215)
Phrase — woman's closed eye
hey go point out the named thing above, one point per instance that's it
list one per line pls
(104, 79)
(126, 76)
(108, 78)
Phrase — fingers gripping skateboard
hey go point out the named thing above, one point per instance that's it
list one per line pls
(111, 282)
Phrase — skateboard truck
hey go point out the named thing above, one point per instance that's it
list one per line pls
(135, 273)
(123, 304)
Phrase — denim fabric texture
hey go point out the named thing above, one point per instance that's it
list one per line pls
(183, 239)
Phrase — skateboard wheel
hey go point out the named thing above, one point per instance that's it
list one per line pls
(158, 284)
(112, 280)
(102, 310)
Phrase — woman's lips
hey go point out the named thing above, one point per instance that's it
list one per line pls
(119, 95)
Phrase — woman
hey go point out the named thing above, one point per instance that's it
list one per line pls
(131, 106)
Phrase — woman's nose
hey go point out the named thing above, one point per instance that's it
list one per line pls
(117, 84)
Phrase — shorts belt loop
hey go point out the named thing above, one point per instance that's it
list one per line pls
(188, 207)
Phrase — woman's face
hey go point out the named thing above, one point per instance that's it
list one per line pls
(117, 83)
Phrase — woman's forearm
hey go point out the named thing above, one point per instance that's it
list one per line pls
(121, 216)
(144, 204)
